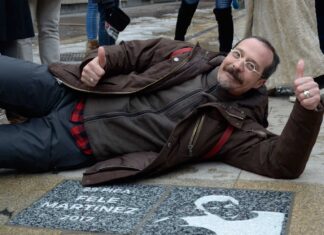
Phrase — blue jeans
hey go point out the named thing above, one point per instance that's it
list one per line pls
(219, 4)
(91, 21)
(44, 142)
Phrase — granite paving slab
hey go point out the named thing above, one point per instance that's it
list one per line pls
(159, 209)
(69, 206)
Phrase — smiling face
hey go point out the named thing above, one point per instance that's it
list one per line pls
(235, 74)
(227, 210)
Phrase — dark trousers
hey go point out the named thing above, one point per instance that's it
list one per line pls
(185, 14)
(319, 4)
(225, 28)
(223, 17)
(43, 142)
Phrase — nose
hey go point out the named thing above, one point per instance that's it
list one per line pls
(238, 64)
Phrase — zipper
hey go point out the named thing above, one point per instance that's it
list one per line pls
(125, 114)
(197, 102)
(259, 133)
(195, 134)
(234, 115)
(182, 63)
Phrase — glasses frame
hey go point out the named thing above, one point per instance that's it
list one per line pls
(245, 62)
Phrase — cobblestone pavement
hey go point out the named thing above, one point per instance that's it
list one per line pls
(19, 190)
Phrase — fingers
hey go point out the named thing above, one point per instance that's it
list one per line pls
(312, 101)
(94, 70)
(306, 89)
(309, 97)
(102, 57)
(300, 68)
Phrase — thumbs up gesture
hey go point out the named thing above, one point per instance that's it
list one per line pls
(94, 70)
(306, 89)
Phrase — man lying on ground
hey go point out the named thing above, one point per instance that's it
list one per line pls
(143, 107)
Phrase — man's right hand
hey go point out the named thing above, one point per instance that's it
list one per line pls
(94, 70)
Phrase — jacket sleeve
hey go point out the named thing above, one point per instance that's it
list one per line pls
(117, 169)
(136, 55)
(283, 156)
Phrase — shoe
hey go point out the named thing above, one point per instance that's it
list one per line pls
(15, 118)
(281, 91)
(292, 99)
(91, 45)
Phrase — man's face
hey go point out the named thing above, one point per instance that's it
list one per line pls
(226, 209)
(237, 74)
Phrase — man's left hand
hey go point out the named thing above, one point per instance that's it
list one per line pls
(306, 89)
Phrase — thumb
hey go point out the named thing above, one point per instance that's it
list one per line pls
(101, 57)
(300, 68)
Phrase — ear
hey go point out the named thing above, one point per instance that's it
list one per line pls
(259, 83)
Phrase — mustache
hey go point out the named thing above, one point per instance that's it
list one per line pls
(234, 72)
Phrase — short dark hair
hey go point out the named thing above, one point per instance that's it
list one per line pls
(268, 71)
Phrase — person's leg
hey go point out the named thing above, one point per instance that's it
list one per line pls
(27, 88)
(25, 45)
(186, 11)
(92, 25)
(48, 16)
(43, 144)
(223, 14)
(320, 81)
(25, 49)
(8, 48)
(104, 38)
(319, 5)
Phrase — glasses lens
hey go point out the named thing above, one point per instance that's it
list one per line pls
(236, 54)
(250, 66)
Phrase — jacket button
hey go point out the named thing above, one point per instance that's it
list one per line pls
(169, 145)
(176, 59)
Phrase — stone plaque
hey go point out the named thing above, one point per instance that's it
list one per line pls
(151, 209)
(204, 211)
(69, 206)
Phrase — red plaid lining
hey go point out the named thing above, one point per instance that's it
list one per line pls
(180, 51)
(78, 131)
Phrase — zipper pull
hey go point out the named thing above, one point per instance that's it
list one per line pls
(190, 147)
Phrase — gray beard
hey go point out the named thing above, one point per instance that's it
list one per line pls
(224, 85)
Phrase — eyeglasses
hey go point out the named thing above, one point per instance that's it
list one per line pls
(250, 66)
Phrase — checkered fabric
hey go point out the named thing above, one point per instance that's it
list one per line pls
(78, 131)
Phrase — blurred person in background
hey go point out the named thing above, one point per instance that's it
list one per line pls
(319, 5)
(299, 40)
(46, 17)
(15, 23)
(103, 5)
(92, 25)
(223, 15)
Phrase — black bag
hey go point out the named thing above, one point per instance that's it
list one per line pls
(117, 18)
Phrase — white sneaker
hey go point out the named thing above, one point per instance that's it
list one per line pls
(292, 99)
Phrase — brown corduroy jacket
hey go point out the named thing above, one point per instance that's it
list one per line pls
(146, 66)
